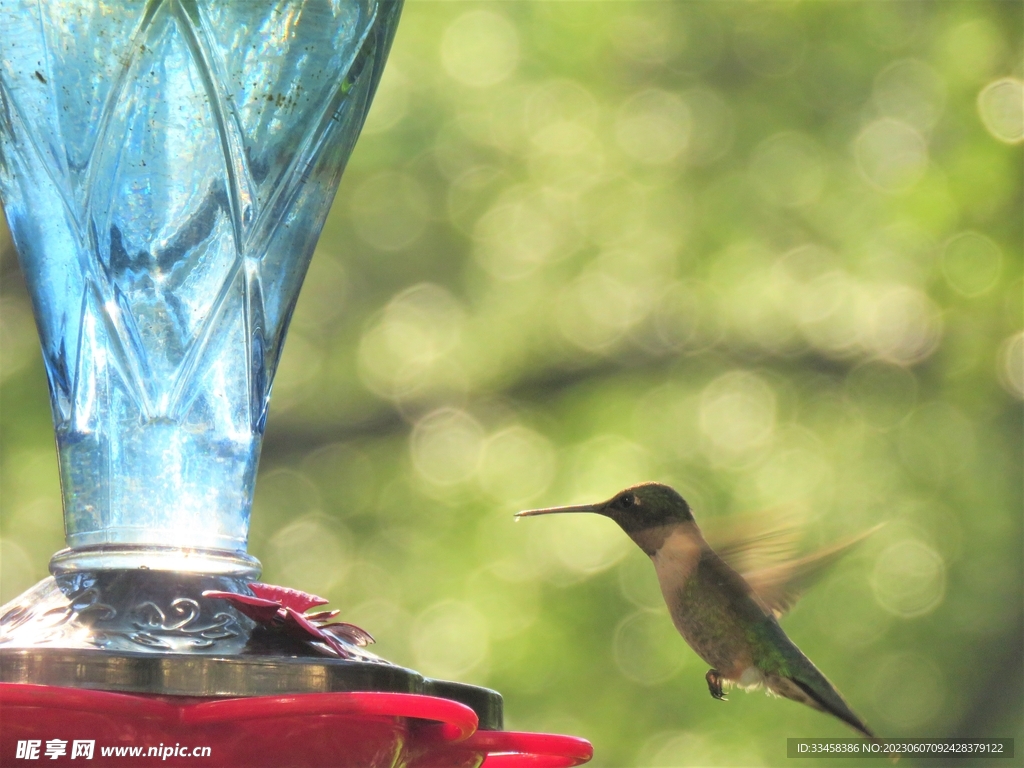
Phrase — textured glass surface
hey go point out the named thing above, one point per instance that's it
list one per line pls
(166, 168)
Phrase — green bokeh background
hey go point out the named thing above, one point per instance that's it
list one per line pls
(769, 253)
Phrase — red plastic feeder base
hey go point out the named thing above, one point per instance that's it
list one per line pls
(314, 730)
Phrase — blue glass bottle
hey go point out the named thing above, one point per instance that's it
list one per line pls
(165, 168)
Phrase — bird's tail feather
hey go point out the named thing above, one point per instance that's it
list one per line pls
(844, 713)
(826, 700)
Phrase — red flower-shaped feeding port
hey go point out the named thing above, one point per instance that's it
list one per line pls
(285, 609)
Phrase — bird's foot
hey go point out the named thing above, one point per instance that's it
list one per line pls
(715, 684)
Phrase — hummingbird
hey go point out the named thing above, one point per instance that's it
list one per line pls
(730, 620)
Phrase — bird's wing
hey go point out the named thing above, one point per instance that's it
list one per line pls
(780, 586)
(753, 542)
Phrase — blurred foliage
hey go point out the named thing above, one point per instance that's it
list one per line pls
(769, 253)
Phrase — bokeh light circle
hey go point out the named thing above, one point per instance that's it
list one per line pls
(647, 648)
(1011, 365)
(909, 689)
(517, 464)
(582, 545)
(737, 411)
(402, 352)
(1001, 105)
(909, 579)
(971, 263)
(450, 639)
(892, 155)
(912, 91)
(522, 232)
(905, 325)
(713, 126)
(480, 48)
(654, 126)
(446, 446)
(311, 554)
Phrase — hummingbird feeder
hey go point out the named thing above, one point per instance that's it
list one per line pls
(165, 168)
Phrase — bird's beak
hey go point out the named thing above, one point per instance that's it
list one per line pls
(598, 508)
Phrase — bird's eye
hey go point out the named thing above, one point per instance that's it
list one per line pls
(627, 500)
